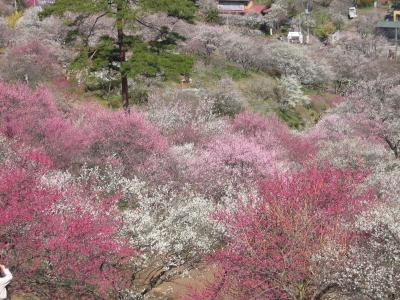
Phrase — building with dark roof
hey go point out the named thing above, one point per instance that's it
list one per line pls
(240, 7)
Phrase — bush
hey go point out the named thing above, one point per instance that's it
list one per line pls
(364, 3)
(260, 88)
(116, 134)
(291, 93)
(324, 30)
(324, 23)
(139, 94)
(12, 19)
(89, 134)
(226, 100)
(185, 116)
(212, 15)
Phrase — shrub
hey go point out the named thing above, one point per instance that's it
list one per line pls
(212, 15)
(139, 94)
(262, 88)
(364, 3)
(88, 134)
(324, 30)
(12, 19)
(291, 93)
(226, 100)
(185, 116)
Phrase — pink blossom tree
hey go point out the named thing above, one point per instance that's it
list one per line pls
(231, 160)
(127, 137)
(30, 62)
(32, 117)
(272, 238)
(271, 133)
(76, 135)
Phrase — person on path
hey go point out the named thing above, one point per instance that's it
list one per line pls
(4, 281)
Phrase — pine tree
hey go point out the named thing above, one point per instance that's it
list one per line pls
(145, 58)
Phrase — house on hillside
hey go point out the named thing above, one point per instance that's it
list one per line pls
(241, 7)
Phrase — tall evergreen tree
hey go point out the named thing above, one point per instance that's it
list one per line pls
(112, 52)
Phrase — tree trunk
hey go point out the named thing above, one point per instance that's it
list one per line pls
(393, 146)
(324, 290)
(122, 58)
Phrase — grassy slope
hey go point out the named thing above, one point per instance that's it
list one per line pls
(259, 90)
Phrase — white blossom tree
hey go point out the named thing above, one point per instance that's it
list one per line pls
(379, 101)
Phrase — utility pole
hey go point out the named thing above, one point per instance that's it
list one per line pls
(395, 38)
(308, 12)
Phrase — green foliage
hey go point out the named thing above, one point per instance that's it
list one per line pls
(218, 70)
(324, 30)
(290, 117)
(183, 9)
(139, 94)
(152, 61)
(364, 3)
(145, 60)
(60, 7)
(324, 24)
(150, 58)
(212, 15)
(225, 105)
(396, 5)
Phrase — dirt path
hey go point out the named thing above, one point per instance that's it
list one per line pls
(179, 287)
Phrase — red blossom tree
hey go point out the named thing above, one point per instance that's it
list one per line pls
(60, 240)
(272, 239)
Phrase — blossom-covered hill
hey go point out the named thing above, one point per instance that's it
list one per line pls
(156, 152)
